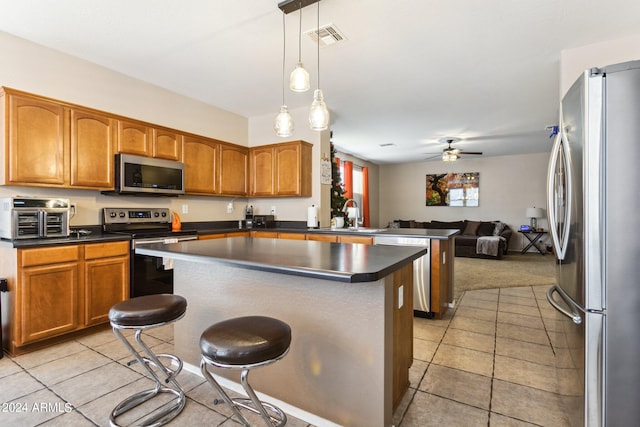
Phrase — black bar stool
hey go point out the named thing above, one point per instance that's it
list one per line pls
(245, 343)
(140, 314)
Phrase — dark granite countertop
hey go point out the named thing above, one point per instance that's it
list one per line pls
(341, 262)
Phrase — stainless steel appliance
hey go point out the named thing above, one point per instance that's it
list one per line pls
(592, 197)
(33, 218)
(421, 272)
(147, 176)
(148, 275)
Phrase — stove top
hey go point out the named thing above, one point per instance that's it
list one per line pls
(141, 223)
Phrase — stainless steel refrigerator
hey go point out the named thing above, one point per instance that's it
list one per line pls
(593, 204)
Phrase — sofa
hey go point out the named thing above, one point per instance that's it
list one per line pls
(493, 233)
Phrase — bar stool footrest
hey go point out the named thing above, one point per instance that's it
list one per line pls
(170, 371)
(152, 420)
(280, 419)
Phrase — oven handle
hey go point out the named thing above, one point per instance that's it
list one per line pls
(164, 240)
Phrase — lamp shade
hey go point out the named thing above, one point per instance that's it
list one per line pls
(318, 113)
(534, 213)
(283, 124)
(299, 79)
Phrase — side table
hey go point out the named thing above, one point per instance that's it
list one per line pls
(532, 237)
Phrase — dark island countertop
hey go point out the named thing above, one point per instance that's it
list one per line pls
(341, 262)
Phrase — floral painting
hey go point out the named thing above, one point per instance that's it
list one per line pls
(453, 189)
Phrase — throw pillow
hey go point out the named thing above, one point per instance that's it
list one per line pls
(486, 228)
(471, 229)
(498, 228)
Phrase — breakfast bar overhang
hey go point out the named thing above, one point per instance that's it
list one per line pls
(349, 307)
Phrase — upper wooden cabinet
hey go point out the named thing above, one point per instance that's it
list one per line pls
(143, 140)
(234, 170)
(37, 141)
(214, 167)
(56, 145)
(201, 157)
(92, 142)
(281, 169)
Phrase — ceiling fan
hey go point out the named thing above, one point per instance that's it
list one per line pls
(451, 154)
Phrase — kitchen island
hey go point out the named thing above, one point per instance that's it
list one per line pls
(349, 307)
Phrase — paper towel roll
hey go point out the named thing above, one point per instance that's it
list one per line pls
(312, 216)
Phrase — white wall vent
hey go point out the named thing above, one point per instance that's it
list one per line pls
(329, 34)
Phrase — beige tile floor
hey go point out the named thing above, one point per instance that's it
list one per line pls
(488, 363)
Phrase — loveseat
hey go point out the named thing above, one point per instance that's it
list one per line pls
(466, 243)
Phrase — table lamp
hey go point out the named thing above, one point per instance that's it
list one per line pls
(534, 213)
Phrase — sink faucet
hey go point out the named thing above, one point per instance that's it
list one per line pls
(355, 205)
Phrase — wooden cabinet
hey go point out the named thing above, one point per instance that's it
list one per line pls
(166, 144)
(265, 234)
(37, 145)
(281, 169)
(62, 289)
(91, 149)
(402, 331)
(366, 240)
(234, 170)
(201, 158)
(215, 168)
(106, 279)
(292, 236)
(144, 140)
(48, 294)
(56, 145)
(442, 253)
(323, 237)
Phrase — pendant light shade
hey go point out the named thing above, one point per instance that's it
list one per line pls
(319, 113)
(299, 79)
(283, 124)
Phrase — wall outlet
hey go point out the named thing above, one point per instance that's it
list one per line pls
(185, 208)
(230, 207)
(400, 296)
(273, 210)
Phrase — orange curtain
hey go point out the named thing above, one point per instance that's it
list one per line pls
(348, 179)
(365, 196)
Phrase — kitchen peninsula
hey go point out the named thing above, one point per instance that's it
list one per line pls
(349, 307)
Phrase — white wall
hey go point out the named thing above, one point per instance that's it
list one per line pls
(575, 61)
(508, 186)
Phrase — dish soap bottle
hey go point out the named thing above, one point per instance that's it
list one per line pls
(176, 224)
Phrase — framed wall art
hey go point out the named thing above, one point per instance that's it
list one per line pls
(453, 189)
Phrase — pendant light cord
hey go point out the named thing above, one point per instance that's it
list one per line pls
(300, 35)
(284, 52)
(318, 41)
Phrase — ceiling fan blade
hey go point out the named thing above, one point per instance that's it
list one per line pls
(470, 152)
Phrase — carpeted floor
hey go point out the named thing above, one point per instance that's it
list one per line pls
(513, 270)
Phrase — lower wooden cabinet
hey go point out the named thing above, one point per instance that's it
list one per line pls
(61, 289)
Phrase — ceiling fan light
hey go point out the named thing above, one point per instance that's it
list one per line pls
(299, 79)
(449, 157)
(283, 124)
(318, 113)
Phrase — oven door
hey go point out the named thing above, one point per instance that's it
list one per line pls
(152, 275)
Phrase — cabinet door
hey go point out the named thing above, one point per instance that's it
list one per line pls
(356, 239)
(92, 149)
(134, 138)
(234, 170)
(293, 169)
(200, 166)
(106, 284)
(211, 236)
(322, 237)
(37, 141)
(167, 144)
(47, 303)
(262, 171)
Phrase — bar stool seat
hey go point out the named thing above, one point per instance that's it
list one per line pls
(140, 314)
(245, 343)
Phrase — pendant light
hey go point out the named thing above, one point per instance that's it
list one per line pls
(299, 78)
(283, 124)
(318, 114)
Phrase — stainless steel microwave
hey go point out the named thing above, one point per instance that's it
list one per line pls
(147, 176)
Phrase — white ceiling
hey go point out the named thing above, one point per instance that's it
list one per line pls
(410, 73)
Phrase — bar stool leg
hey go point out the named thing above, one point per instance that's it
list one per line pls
(220, 390)
(151, 359)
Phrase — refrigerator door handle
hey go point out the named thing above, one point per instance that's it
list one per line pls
(574, 314)
(560, 242)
